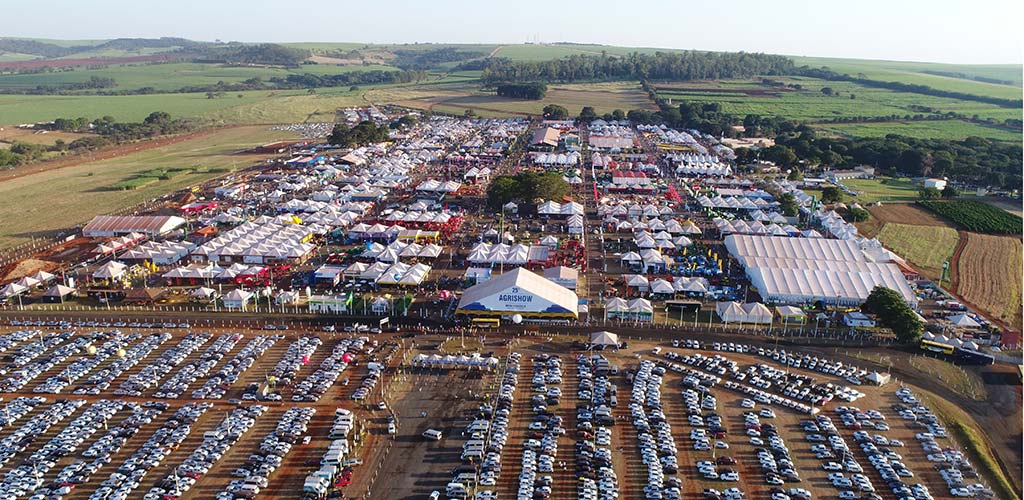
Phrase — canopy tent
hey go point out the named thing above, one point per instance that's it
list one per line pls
(751, 312)
(963, 321)
(203, 293)
(110, 270)
(237, 299)
(12, 289)
(662, 287)
(28, 282)
(43, 276)
(878, 378)
(633, 310)
(604, 338)
(791, 313)
(58, 291)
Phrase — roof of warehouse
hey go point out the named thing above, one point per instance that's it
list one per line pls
(152, 224)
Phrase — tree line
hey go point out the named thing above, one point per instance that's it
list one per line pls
(683, 65)
(529, 91)
(107, 131)
(289, 82)
(366, 132)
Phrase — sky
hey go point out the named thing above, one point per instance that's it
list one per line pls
(974, 32)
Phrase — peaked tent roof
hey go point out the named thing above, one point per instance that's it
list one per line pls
(604, 338)
(519, 292)
(963, 321)
(59, 290)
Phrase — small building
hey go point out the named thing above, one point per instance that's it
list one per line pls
(287, 298)
(857, 319)
(562, 275)
(328, 304)
(477, 275)
(144, 296)
(238, 299)
(939, 184)
(328, 276)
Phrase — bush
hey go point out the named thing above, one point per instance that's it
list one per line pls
(976, 216)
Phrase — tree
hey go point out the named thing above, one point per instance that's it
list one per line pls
(501, 190)
(827, 91)
(9, 159)
(858, 215)
(339, 134)
(929, 194)
(795, 175)
(555, 112)
(788, 205)
(781, 155)
(530, 91)
(618, 115)
(588, 114)
(893, 312)
(831, 194)
(526, 186)
(950, 192)
(157, 118)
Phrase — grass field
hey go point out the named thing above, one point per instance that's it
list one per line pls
(926, 247)
(743, 97)
(171, 76)
(883, 189)
(944, 129)
(456, 99)
(56, 199)
(899, 213)
(12, 134)
(34, 108)
(989, 275)
(914, 73)
(253, 107)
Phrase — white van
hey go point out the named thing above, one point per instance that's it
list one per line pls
(432, 434)
(456, 490)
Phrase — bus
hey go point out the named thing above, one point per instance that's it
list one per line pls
(969, 357)
(938, 347)
(485, 322)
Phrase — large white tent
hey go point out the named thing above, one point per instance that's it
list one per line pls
(805, 270)
(519, 292)
(751, 312)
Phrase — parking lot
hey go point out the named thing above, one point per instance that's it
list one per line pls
(145, 413)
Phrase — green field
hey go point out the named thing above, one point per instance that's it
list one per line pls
(55, 199)
(927, 247)
(743, 97)
(913, 72)
(883, 189)
(945, 129)
(171, 76)
(457, 98)
(257, 106)
(33, 108)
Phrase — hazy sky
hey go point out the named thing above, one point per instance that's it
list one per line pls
(976, 31)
